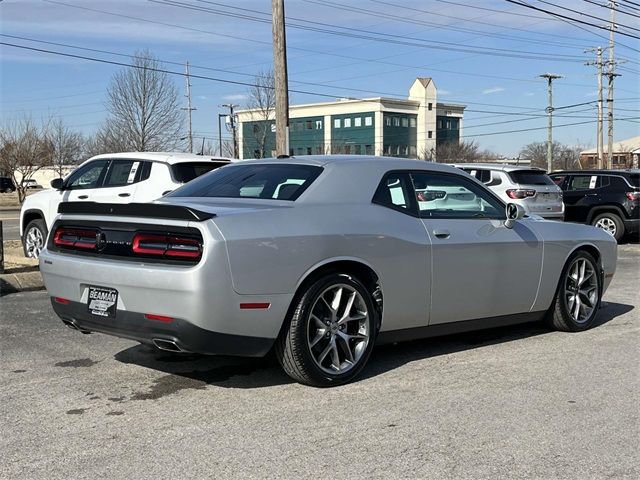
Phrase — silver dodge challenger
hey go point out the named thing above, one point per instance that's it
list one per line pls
(320, 258)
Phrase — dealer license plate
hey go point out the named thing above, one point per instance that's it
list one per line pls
(102, 301)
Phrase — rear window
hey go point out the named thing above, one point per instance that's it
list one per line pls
(634, 178)
(274, 181)
(187, 171)
(531, 177)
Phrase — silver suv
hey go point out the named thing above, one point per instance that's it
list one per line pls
(530, 187)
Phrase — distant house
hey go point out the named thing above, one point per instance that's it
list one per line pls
(626, 154)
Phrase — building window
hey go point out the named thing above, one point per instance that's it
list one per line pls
(299, 150)
(336, 123)
(256, 129)
(396, 121)
(387, 121)
(439, 124)
(290, 153)
(308, 124)
(347, 149)
(448, 124)
(368, 121)
(357, 149)
(318, 124)
(430, 106)
(412, 122)
(387, 149)
(368, 149)
(405, 122)
(397, 150)
(318, 150)
(309, 152)
(357, 122)
(430, 133)
(347, 122)
(412, 151)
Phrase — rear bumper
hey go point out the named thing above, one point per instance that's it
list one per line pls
(187, 336)
(632, 225)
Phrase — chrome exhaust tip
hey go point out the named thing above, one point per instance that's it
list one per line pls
(167, 345)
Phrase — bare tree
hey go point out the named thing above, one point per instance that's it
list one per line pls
(24, 150)
(458, 152)
(262, 102)
(67, 145)
(144, 107)
(564, 156)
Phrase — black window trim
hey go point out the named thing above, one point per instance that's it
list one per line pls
(101, 178)
(413, 210)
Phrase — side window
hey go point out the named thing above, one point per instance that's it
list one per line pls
(494, 180)
(603, 181)
(453, 196)
(88, 176)
(394, 192)
(122, 173)
(558, 179)
(583, 182)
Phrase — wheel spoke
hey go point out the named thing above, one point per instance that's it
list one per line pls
(320, 334)
(344, 343)
(576, 309)
(335, 358)
(582, 265)
(335, 304)
(349, 306)
(324, 353)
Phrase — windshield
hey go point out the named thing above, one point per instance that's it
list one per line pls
(187, 171)
(269, 181)
(531, 177)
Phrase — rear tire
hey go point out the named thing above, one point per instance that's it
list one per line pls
(34, 239)
(330, 333)
(578, 296)
(610, 223)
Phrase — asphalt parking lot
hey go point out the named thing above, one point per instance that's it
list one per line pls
(517, 402)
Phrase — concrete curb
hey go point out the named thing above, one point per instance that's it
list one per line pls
(20, 282)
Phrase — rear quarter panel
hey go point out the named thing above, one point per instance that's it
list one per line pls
(273, 251)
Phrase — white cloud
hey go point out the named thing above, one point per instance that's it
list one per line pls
(444, 92)
(489, 91)
(235, 97)
(529, 94)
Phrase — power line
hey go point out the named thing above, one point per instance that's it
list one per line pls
(585, 14)
(605, 6)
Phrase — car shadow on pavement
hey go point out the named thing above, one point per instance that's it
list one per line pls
(198, 371)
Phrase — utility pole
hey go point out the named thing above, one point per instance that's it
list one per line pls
(599, 139)
(611, 74)
(550, 78)
(220, 115)
(232, 122)
(280, 77)
(189, 108)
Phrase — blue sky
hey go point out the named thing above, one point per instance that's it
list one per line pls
(486, 54)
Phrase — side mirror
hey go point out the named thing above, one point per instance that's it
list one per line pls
(514, 213)
(57, 183)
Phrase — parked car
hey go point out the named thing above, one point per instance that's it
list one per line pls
(321, 257)
(30, 183)
(7, 185)
(530, 187)
(110, 178)
(607, 199)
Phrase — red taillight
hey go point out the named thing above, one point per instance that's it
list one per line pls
(166, 246)
(633, 196)
(158, 318)
(61, 300)
(519, 193)
(76, 238)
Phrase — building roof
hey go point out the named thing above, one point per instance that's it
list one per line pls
(631, 145)
(425, 81)
(167, 157)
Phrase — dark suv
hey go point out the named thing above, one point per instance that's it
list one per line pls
(7, 185)
(608, 199)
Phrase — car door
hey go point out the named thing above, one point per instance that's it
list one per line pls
(580, 194)
(84, 183)
(480, 268)
(120, 182)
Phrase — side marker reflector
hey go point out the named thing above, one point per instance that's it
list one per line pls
(61, 300)
(254, 306)
(158, 318)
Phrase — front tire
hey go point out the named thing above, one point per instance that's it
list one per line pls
(579, 293)
(35, 236)
(610, 223)
(331, 332)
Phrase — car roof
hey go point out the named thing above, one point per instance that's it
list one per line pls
(166, 157)
(390, 163)
(633, 171)
(497, 166)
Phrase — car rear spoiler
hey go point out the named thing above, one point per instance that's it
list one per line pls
(144, 210)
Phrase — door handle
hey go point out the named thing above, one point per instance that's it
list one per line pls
(124, 194)
(442, 233)
(83, 197)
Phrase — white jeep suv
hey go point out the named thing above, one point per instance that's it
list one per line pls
(110, 178)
